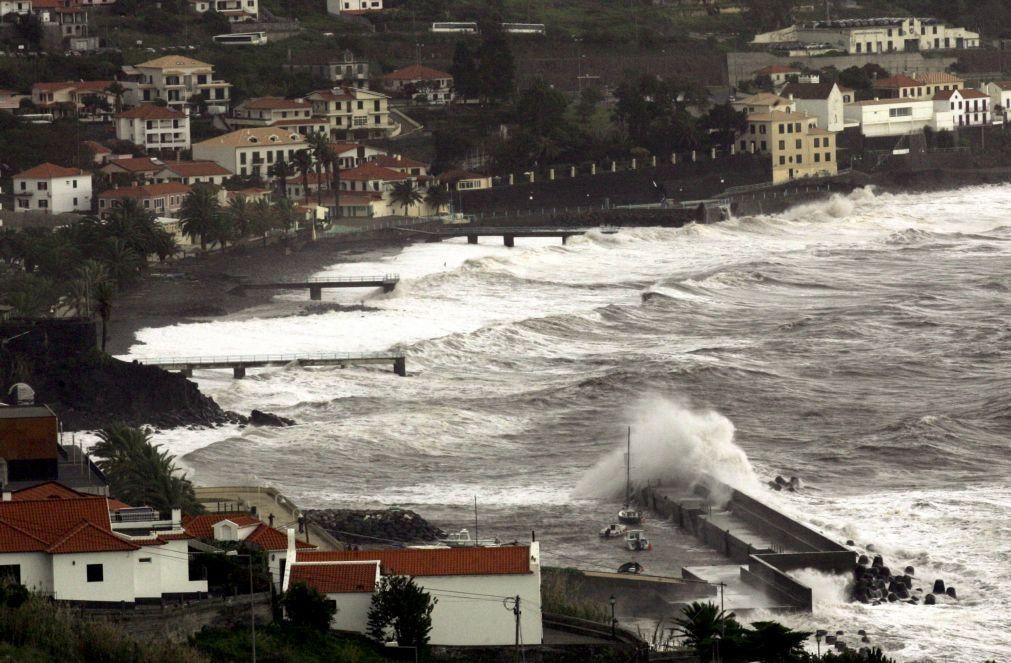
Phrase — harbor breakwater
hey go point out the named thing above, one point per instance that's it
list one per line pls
(767, 543)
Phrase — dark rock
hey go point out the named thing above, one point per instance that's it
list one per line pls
(381, 526)
(951, 592)
(863, 560)
(260, 418)
(929, 599)
(938, 586)
(910, 571)
(878, 560)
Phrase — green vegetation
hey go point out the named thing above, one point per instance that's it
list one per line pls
(558, 589)
(307, 608)
(284, 644)
(402, 607)
(141, 473)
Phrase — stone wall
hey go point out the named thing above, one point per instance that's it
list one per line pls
(741, 66)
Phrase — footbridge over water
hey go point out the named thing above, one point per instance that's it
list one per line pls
(315, 285)
(239, 363)
(507, 233)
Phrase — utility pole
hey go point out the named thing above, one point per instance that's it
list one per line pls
(517, 613)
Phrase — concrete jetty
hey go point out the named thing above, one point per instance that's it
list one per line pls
(761, 544)
(239, 363)
(507, 233)
(316, 285)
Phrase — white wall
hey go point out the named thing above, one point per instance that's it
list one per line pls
(875, 120)
(70, 577)
(147, 576)
(487, 622)
(60, 194)
(36, 571)
(352, 611)
(172, 560)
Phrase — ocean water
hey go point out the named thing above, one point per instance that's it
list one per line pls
(862, 344)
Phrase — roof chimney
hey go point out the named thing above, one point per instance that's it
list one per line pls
(7, 496)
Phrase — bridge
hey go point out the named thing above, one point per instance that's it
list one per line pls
(315, 285)
(239, 363)
(508, 234)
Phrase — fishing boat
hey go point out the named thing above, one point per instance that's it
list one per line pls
(613, 531)
(628, 515)
(636, 540)
(463, 539)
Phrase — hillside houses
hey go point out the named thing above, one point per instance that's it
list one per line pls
(873, 35)
(176, 80)
(52, 189)
(421, 83)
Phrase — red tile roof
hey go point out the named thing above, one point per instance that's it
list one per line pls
(274, 103)
(69, 524)
(197, 168)
(456, 175)
(387, 161)
(48, 171)
(776, 69)
(368, 172)
(146, 191)
(136, 164)
(969, 93)
(505, 560)
(49, 490)
(202, 527)
(341, 148)
(53, 87)
(336, 578)
(150, 112)
(416, 72)
(896, 82)
(97, 147)
(116, 505)
(88, 537)
(270, 538)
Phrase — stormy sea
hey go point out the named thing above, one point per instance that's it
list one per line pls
(861, 344)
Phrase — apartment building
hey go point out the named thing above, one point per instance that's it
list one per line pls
(874, 35)
(236, 11)
(354, 113)
(822, 100)
(176, 79)
(265, 111)
(421, 83)
(899, 117)
(797, 146)
(971, 108)
(155, 127)
(923, 86)
(71, 97)
(336, 7)
(51, 188)
(163, 199)
(343, 69)
(251, 151)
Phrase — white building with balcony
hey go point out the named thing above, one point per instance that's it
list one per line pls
(354, 113)
(336, 7)
(236, 11)
(251, 151)
(875, 35)
(176, 79)
(898, 117)
(970, 108)
(265, 111)
(155, 127)
(51, 188)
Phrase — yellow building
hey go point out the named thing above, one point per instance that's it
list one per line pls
(797, 145)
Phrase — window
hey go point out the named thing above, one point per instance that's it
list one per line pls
(75, 183)
(798, 144)
(782, 144)
(43, 204)
(375, 105)
(11, 572)
(95, 571)
(782, 161)
(906, 111)
(43, 186)
(817, 157)
(144, 560)
(817, 142)
(764, 147)
(800, 159)
(361, 105)
(828, 157)
(75, 202)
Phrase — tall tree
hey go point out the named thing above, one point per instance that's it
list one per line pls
(436, 197)
(401, 605)
(238, 212)
(320, 145)
(199, 214)
(281, 171)
(285, 214)
(262, 218)
(496, 70)
(303, 164)
(464, 70)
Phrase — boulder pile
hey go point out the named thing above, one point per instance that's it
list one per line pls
(874, 583)
(383, 526)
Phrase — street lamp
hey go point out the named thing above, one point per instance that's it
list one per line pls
(614, 622)
(716, 639)
(818, 635)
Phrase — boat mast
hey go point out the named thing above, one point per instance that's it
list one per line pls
(475, 521)
(628, 468)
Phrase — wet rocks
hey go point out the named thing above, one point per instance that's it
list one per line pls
(793, 485)
(375, 527)
(260, 418)
(874, 583)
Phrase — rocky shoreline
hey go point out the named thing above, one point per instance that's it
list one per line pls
(375, 527)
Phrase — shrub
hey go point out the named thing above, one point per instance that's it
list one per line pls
(306, 607)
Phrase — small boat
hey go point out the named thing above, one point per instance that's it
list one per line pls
(628, 515)
(630, 567)
(635, 540)
(462, 539)
(613, 531)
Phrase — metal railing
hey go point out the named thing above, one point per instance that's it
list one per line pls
(385, 278)
(265, 359)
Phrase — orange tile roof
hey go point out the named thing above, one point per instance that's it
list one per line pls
(97, 147)
(270, 538)
(116, 505)
(368, 172)
(896, 82)
(70, 524)
(45, 491)
(146, 191)
(387, 161)
(416, 72)
(88, 537)
(48, 171)
(970, 93)
(136, 164)
(150, 112)
(505, 560)
(336, 578)
(202, 527)
(196, 168)
(54, 86)
(776, 69)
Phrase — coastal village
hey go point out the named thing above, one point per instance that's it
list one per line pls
(139, 140)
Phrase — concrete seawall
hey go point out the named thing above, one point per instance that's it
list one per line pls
(767, 543)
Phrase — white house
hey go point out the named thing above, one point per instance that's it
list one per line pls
(874, 35)
(236, 11)
(155, 127)
(421, 83)
(764, 102)
(353, 6)
(474, 586)
(251, 151)
(251, 531)
(822, 100)
(15, 7)
(971, 108)
(898, 117)
(52, 188)
(176, 79)
(1000, 96)
(353, 113)
(778, 74)
(265, 111)
(66, 547)
(193, 172)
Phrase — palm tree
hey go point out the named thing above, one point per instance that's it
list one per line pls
(773, 642)
(705, 627)
(116, 88)
(281, 171)
(320, 145)
(238, 213)
(104, 292)
(405, 195)
(285, 214)
(437, 197)
(122, 261)
(140, 473)
(262, 218)
(335, 181)
(303, 163)
(83, 288)
(199, 213)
